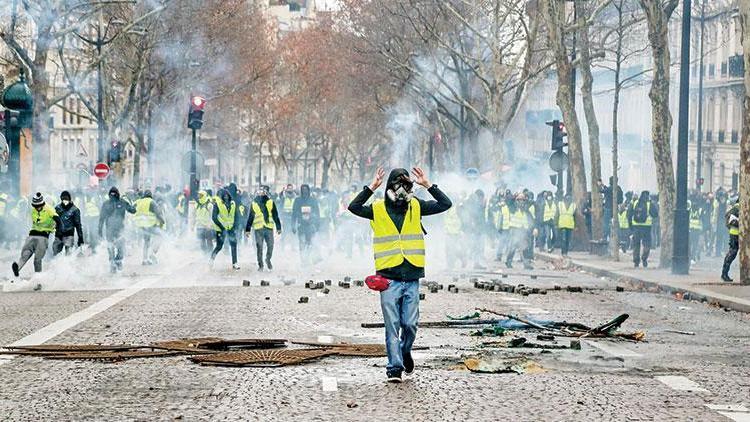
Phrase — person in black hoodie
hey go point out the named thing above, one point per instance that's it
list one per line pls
(398, 242)
(264, 219)
(305, 217)
(112, 216)
(70, 218)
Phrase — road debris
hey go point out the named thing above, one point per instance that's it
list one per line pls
(491, 364)
(687, 333)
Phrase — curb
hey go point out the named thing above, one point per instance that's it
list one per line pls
(691, 293)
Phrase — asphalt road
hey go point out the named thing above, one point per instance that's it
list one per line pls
(669, 376)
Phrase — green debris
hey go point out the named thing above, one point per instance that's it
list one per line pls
(494, 331)
(475, 315)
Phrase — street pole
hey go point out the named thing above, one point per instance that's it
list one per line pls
(193, 170)
(99, 94)
(680, 251)
(699, 139)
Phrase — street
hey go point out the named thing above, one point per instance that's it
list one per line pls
(669, 376)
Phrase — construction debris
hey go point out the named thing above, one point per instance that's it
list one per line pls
(303, 299)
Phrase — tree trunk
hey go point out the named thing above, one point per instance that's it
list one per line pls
(614, 235)
(745, 152)
(553, 12)
(587, 80)
(139, 138)
(661, 122)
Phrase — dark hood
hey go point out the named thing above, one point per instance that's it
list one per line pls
(395, 175)
(304, 191)
(114, 192)
(232, 189)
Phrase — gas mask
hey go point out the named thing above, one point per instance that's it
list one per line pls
(401, 191)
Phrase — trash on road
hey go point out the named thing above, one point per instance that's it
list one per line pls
(490, 364)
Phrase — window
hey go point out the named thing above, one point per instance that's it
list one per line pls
(721, 136)
(64, 116)
(711, 69)
(709, 136)
(78, 110)
(735, 137)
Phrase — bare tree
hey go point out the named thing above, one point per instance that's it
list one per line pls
(658, 13)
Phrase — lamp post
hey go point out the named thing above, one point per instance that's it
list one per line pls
(19, 102)
(680, 250)
(699, 137)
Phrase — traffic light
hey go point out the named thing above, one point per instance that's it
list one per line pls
(195, 115)
(558, 133)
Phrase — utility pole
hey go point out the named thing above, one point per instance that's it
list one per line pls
(699, 138)
(680, 251)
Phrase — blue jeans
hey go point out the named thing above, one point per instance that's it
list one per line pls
(400, 305)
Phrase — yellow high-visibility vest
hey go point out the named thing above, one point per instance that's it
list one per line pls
(550, 209)
(203, 212)
(567, 219)
(226, 216)
(258, 221)
(288, 204)
(505, 212)
(144, 217)
(452, 222)
(519, 219)
(648, 221)
(43, 220)
(92, 209)
(622, 218)
(391, 246)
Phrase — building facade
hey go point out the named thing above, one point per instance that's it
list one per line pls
(723, 93)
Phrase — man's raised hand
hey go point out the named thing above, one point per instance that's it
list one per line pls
(379, 175)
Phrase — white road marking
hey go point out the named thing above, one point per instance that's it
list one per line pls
(329, 383)
(58, 327)
(680, 383)
(534, 310)
(325, 339)
(728, 407)
(613, 349)
(737, 416)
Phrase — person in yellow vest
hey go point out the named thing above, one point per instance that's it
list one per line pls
(520, 225)
(732, 220)
(454, 238)
(641, 217)
(623, 225)
(286, 201)
(549, 211)
(149, 220)
(224, 217)
(695, 210)
(264, 219)
(44, 221)
(90, 211)
(399, 253)
(566, 222)
(204, 224)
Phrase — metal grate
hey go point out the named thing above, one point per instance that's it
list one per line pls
(262, 357)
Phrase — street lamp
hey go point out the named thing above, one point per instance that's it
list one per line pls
(680, 248)
(195, 122)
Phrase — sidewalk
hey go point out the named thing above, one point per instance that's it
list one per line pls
(703, 281)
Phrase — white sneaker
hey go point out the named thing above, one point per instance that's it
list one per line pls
(236, 266)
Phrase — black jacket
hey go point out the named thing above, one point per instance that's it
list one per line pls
(299, 219)
(261, 201)
(113, 216)
(405, 271)
(70, 221)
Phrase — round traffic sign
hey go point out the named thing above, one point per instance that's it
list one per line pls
(101, 171)
(558, 161)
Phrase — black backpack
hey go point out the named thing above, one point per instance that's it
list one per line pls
(640, 213)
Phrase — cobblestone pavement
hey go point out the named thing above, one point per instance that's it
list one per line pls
(605, 380)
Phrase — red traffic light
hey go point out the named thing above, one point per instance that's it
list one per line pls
(197, 102)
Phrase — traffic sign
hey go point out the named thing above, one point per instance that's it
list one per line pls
(558, 161)
(101, 171)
